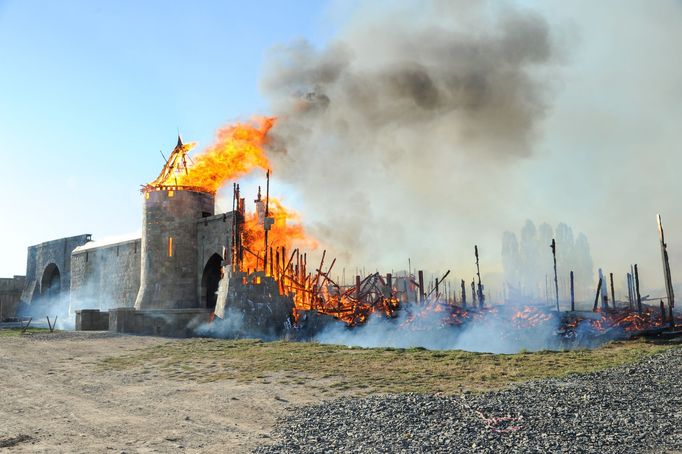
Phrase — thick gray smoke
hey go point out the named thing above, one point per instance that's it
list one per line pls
(394, 132)
(494, 333)
(528, 264)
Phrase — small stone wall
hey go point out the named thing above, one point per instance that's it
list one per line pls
(92, 320)
(157, 322)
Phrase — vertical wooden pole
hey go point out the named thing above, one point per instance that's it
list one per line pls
(420, 273)
(473, 293)
(613, 293)
(639, 297)
(596, 297)
(556, 281)
(464, 294)
(666, 271)
(357, 287)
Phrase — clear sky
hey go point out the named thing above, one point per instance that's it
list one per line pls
(91, 91)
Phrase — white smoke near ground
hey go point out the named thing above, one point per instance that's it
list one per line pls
(492, 333)
(63, 306)
(230, 327)
(410, 102)
(56, 307)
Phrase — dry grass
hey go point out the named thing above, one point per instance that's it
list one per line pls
(14, 332)
(335, 369)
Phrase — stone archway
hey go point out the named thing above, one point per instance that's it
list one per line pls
(51, 282)
(210, 280)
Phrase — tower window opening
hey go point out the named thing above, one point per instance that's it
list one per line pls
(170, 246)
(171, 193)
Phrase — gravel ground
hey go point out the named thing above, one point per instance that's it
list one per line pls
(629, 409)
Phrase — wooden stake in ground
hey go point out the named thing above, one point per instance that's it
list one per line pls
(481, 297)
(54, 323)
(24, 328)
(666, 272)
(613, 294)
(639, 297)
(629, 276)
(556, 281)
(596, 297)
(464, 294)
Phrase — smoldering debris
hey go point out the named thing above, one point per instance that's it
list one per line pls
(427, 327)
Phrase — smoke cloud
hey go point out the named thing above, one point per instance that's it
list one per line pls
(493, 333)
(394, 131)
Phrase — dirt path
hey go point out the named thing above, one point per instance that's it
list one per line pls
(53, 398)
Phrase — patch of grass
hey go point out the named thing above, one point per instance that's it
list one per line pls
(366, 371)
(13, 332)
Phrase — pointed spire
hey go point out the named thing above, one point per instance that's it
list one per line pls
(179, 141)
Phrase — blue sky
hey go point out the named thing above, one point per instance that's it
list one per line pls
(91, 91)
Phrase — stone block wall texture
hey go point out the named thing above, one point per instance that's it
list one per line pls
(214, 235)
(41, 256)
(92, 320)
(157, 322)
(10, 295)
(107, 276)
(169, 248)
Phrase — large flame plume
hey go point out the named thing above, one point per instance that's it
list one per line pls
(238, 150)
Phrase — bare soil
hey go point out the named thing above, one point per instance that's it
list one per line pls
(55, 399)
(101, 392)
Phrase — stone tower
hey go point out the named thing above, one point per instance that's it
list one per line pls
(169, 248)
(169, 259)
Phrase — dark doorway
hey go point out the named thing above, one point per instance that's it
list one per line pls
(210, 280)
(51, 283)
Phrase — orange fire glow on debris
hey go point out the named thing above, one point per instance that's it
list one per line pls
(287, 232)
(240, 149)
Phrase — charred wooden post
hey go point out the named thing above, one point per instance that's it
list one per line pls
(662, 312)
(357, 287)
(604, 293)
(267, 221)
(596, 297)
(639, 296)
(420, 273)
(389, 285)
(481, 296)
(629, 279)
(556, 281)
(613, 293)
(666, 271)
(572, 294)
(473, 293)
(464, 294)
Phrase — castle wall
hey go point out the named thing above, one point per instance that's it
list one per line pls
(42, 261)
(105, 276)
(10, 295)
(214, 236)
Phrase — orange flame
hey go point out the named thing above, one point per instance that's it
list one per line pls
(238, 149)
(286, 232)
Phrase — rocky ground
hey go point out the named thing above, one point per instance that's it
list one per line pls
(629, 409)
